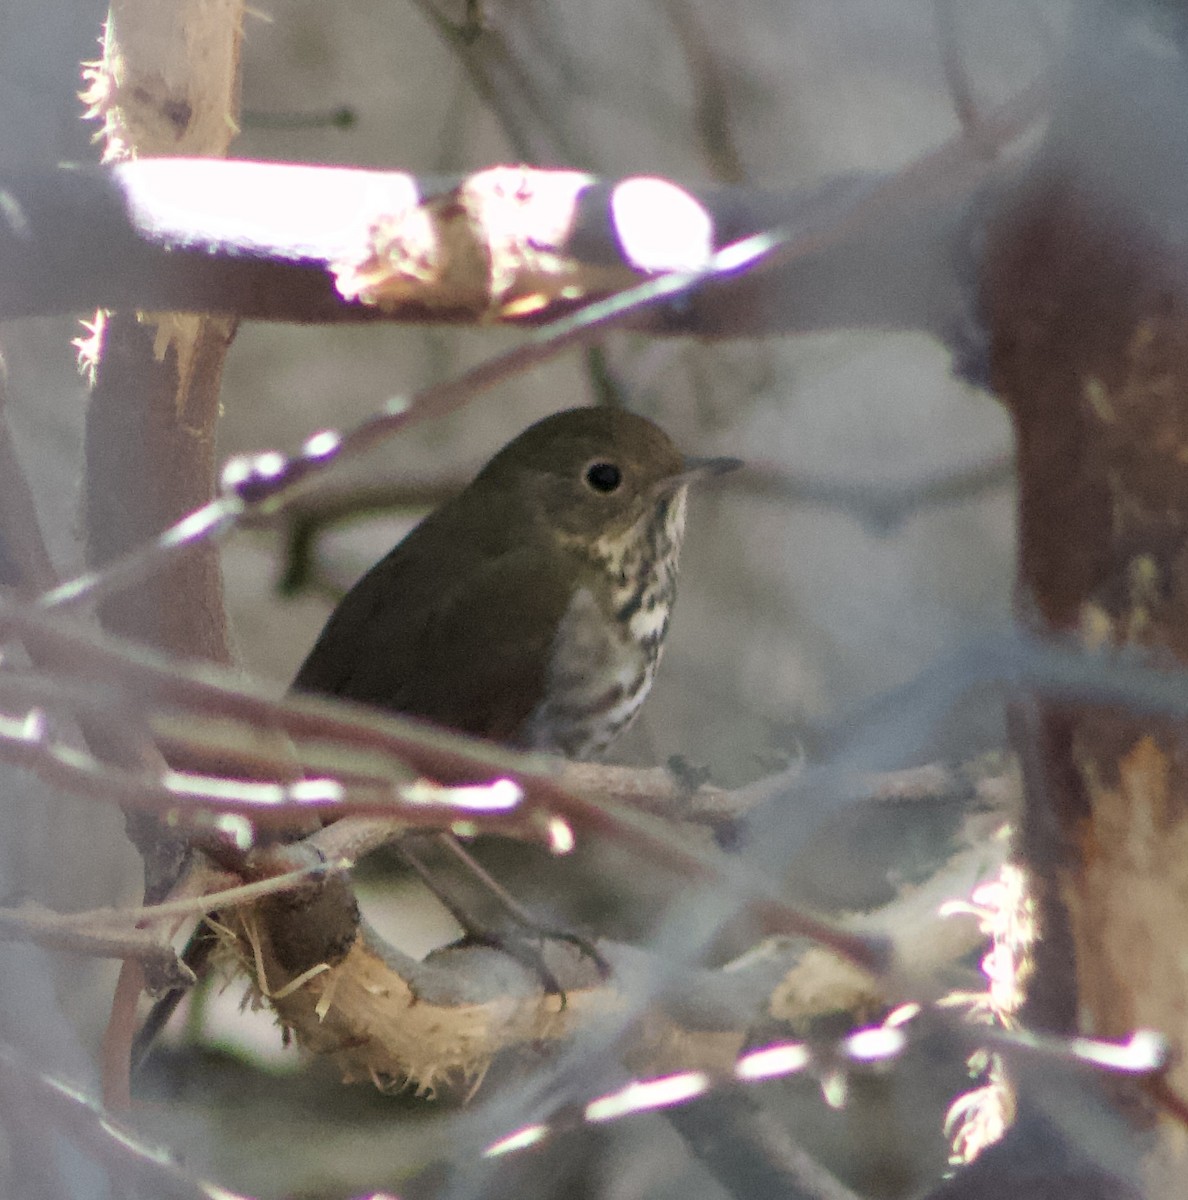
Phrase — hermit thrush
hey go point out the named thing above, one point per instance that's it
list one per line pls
(532, 607)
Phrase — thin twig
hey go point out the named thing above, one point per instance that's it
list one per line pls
(118, 1035)
(445, 757)
(1143, 1056)
(83, 933)
(711, 95)
(203, 800)
(19, 527)
(134, 1163)
(533, 123)
(957, 79)
(271, 479)
(91, 932)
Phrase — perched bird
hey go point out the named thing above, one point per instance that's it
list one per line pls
(532, 607)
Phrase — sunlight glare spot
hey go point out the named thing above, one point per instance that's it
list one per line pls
(200, 522)
(561, 839)
(236, 471)
(660, 226)
(902, 1015)
(211, 787)
(269, 464)
(834, 1090)
(316, 791)
(1145, 1051)
(35, 726)
(773, 1061)
(641, 1097)
(238, 829)
(498, 796)
(322, 444)
(874, 1045)
(530, 1135)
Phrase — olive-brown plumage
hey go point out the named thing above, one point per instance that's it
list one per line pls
(532, 607)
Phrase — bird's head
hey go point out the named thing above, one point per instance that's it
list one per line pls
(590, 474)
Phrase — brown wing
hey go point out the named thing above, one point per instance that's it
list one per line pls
(463, 642)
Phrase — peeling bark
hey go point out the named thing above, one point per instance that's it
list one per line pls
(1086, 297)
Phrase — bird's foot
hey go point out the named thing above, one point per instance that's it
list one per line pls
(526, 946)
(520, 928)
(584, 946)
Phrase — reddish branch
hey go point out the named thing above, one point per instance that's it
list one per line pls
(411, 745)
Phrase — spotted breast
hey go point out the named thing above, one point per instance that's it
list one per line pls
(609, 641)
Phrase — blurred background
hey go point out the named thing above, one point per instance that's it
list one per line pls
(792, 614)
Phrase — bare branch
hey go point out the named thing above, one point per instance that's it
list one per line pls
(119, 932)
(208, 801)
(260, 480)
(132, 1163)
(539, 130)
(445, 757)
(115, 1048)
(271, 478)
(712, 98)
(96, 933)
(383, 1017)
(1143, 1056)
(957, 78)
(20, 530)
(271, 242)
(379, 1014)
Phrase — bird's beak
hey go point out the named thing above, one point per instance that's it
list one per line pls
(697, 469)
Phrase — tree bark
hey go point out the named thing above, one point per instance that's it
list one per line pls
(1085, 294)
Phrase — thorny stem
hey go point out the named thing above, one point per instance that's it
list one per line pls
(265, 482)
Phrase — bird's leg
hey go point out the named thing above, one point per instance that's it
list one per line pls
(478, 932)
(515, 909)
(475, 932)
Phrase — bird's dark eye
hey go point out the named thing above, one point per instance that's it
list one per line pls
(603, 476)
